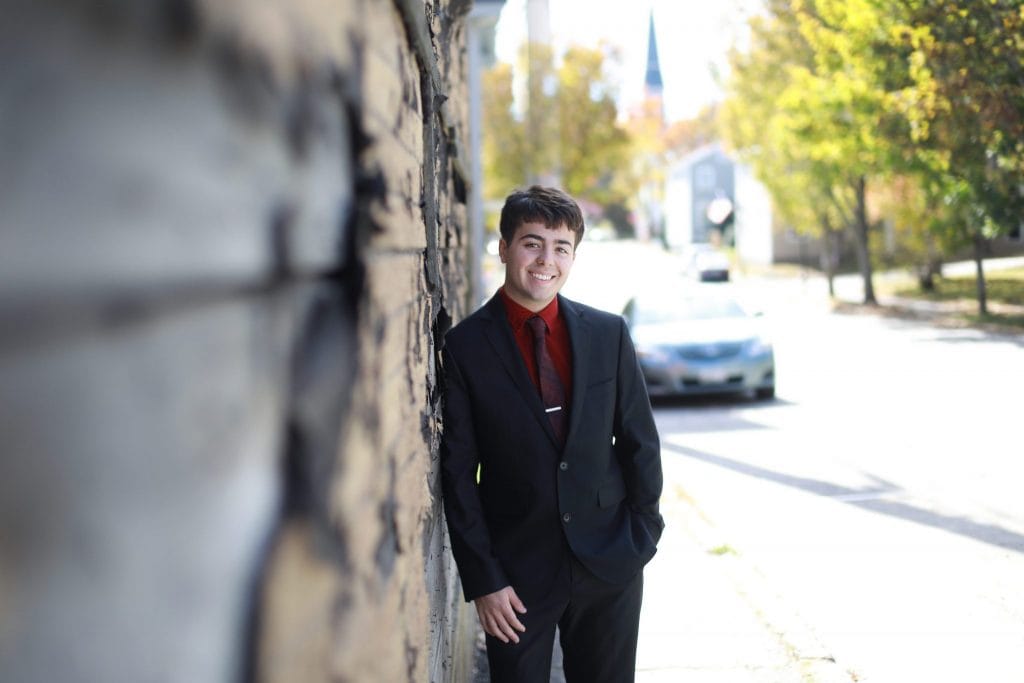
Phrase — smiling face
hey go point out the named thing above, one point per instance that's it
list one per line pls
(537, 263)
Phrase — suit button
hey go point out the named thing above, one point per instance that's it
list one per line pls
(563, 466)
(567, 517)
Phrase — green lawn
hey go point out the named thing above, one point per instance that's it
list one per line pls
(1005, 286)
(1004, 289)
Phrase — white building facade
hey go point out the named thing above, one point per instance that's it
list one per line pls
(709, 197)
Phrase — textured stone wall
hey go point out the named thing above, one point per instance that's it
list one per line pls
(231, 237)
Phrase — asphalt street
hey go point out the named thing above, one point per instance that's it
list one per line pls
(878, 496)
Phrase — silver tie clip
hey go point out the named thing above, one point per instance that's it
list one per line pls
(553, 410)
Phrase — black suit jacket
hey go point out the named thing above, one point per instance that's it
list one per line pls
(598, 495)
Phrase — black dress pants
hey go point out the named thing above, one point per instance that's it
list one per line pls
(597, 622)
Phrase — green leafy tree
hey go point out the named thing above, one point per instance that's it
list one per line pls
(565, 131)
(918, 222)
(507, 157)
(806, 115)
(594, 149)
(965, 103)
(922, 101)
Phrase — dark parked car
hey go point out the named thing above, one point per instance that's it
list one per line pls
(700, 341)
(706, 263)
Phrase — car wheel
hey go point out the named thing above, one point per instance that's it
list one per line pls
(765, 392)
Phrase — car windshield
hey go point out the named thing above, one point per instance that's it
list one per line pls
(687, 308)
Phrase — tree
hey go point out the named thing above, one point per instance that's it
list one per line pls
(965, 101)
(803, 110)
(594, 147)
(918, 222)
(507, 157)
(921, 98)
(683, 137)
(568, 129)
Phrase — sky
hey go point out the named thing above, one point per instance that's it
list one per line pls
(693, 37)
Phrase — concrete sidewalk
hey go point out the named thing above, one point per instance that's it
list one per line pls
(710, 617)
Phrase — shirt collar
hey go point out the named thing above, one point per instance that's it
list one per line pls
(518, 315)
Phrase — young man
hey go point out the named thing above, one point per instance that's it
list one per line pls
(545, 397)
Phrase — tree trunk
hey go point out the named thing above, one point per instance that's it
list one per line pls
(926, 274)
(861, 230)
(829, 253)
(979, 270)
(931, 268)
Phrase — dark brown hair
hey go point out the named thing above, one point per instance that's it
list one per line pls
(537, 204)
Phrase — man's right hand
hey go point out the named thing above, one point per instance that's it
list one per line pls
(497, 612)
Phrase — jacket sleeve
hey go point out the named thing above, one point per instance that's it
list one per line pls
(480, 571)
(637, 446)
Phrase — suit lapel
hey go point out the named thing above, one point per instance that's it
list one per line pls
(579, 339)
(499, 336)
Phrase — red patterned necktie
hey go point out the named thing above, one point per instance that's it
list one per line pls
(551, 390)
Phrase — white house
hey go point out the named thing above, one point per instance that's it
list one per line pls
(709, 197)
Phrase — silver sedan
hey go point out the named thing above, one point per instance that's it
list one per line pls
(700, 341)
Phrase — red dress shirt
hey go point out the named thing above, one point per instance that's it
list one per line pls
(557, 341)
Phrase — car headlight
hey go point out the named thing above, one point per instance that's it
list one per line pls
(758, 347)
(653, 355)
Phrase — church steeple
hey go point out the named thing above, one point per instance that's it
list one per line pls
(652, 81)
